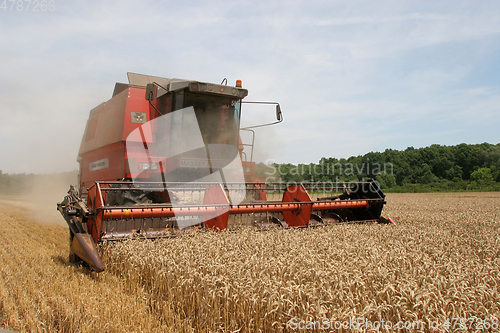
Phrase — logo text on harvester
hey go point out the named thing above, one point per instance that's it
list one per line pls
(353, 324)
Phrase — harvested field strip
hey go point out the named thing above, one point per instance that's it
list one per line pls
(440, 262)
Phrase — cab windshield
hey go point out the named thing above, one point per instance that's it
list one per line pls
(218, 117)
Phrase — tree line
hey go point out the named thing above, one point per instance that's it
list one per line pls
(437, 167)
(22, 183)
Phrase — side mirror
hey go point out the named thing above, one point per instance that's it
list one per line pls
(150, 91)
(279, 116)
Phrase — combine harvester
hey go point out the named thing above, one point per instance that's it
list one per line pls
(163, 155)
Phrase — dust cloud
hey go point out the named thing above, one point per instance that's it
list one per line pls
(268, 145)
(38, 195)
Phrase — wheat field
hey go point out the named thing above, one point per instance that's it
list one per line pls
(439, 266)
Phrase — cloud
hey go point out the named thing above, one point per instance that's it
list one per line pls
(350, 77)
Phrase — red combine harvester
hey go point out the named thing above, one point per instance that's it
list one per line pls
(166, 154)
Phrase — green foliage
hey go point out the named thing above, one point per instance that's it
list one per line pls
(433, 168)
(386, 180)
(264, 171)
(482, 176)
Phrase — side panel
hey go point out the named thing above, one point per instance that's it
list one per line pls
(106, 163)
(105, 126)
(137, 114)
(102, 155)
(112, 122)
(88, 139)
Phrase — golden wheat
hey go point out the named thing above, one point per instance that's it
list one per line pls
(440, 262)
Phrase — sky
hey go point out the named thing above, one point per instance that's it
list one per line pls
(351, 76)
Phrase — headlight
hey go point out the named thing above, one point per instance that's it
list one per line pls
(143, 166)
(153, 166)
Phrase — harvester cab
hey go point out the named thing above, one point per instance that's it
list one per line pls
(166, 154)
(156, 129)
